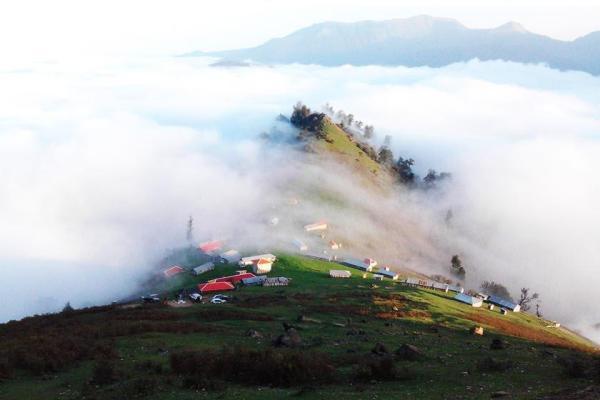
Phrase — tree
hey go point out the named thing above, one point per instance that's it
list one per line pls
(385, 156)
(300, 113)
(189, 235)
(430, 178)
(456, 267)
(369, 132)
(68, 308)
(526, 299)
(495, 289)
(405, 172)
(359, 124)
(350, 118)
(538, 312)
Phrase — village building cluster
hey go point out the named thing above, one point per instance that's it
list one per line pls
(261, 265)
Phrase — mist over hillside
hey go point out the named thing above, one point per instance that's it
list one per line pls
(98, 177)
(420, 41)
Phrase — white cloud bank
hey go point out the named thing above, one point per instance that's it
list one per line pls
(100, 165)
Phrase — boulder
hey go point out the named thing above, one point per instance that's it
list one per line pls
(497, 344)
(290, 338)
(477, 330)
(408, 352)
(380, 349)
(253, 333)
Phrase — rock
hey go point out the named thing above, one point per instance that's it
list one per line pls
(477, 330)
(408, 352)
(290, 338)
(497, 344)
(380, 349)
(499, 394)
(253, 333)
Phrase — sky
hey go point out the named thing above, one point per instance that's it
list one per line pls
(44, 30)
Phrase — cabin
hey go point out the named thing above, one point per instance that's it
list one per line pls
(230, 257)
(254, 281)
(378, 277)
(245, 261)
(370, 262)
(172, 271)
(317, 226)
(470, 300)
(233, 279)
(209, 266)
(504, 303)
(439, 286)
(388, 274)
(210, 247)
(361, 265)
(277, 281)
(300, 245)
(482, 296)
(262, 266)
(456, 289)
(339, 273)
(213, 286)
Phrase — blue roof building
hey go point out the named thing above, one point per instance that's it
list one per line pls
(504, 303)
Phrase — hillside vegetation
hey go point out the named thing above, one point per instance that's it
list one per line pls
(317, 338)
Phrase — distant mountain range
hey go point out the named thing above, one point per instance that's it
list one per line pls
(419, 41)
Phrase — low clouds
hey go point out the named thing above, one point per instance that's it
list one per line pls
(100, 166)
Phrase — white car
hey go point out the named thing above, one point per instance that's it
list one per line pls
(195, 296)
(218, 300)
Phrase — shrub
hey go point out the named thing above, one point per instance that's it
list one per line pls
(490, 364)
(381, 369)
(104, 373)
(274, 367)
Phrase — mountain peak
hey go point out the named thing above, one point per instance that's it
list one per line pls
(511, 27)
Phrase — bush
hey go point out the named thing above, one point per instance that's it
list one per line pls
(490, 364)
(381, 369)
(104, 373)
(282, 368)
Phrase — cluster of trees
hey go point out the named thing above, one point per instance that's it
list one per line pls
(456, 267)
(303, 118)
(349, 123)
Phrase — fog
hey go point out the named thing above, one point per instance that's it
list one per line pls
(102, 163)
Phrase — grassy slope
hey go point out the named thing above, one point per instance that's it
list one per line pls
(346, 150)
(391, 314)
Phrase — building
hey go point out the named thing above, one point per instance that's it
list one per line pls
(230, 256)
(378, 277)
(456, 289)
(370, 262)
(317, 226)
(245, 261)
(470, 300)
(354, 263)
(300, 245)
(213, 286)
(233, 279)
(209, 266)
(388, 274)
(482, 296)
(210, 247)
(262, 266)
(504, 303)
(278, 281)
(254, 281)
(339, 273)
(172, 271)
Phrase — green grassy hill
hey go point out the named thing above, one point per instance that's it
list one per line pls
(161, 352)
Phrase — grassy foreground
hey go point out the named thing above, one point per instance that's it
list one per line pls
(131, 352)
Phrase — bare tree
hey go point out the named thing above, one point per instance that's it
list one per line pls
(189, 235)
(526, 299)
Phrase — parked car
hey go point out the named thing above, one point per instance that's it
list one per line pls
(151, 298)
(217, 300)
(221, 296)
(195, 297)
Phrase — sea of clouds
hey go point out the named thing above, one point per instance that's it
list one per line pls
(101, 163)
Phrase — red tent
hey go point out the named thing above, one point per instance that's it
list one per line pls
(209, 247)
(235, 278)
(213, 286)
(172, 271)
